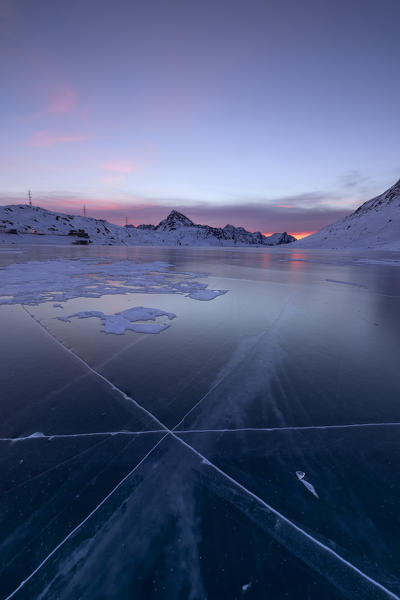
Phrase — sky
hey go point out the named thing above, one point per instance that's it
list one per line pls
(277, 115)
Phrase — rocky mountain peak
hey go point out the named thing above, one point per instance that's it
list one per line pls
(387, 198)
(174, 220)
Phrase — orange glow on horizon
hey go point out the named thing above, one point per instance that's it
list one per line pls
(298, 235)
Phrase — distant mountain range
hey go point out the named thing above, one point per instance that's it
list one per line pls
(32, 224)
(375, 224)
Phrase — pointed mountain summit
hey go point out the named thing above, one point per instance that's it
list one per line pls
(175, 219)
(388, 198)
(187, 233)
(374, 224)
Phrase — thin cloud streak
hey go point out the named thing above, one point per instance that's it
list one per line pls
(121, 167)
(43, 139)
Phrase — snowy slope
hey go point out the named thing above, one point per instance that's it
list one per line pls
(375, 224)
(26, 224)
(37, 222)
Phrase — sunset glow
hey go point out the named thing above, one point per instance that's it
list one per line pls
(143, 123)
(192, 409)
(297, 235)
(302, 234)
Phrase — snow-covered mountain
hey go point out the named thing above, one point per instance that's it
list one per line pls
(185, 232)
(375, 224)
(31, 224)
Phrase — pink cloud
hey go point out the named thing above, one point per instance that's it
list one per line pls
(121, 166)
(42, 139)
(64, 100)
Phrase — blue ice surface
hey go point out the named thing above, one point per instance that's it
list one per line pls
(175, 465)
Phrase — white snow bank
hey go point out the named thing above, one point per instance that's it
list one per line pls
(126, 320)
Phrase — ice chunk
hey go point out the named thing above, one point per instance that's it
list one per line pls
(206, 294)
(301, 477)
(139, 313)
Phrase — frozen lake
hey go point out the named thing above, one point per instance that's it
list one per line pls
(250, 449)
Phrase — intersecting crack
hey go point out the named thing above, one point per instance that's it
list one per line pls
(379, 590)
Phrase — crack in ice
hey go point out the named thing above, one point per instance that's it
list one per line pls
(51, 436)
(288, 428)
(77, 527)
(42, 436)
(205, 461)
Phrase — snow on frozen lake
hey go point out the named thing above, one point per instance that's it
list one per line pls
(251, 449)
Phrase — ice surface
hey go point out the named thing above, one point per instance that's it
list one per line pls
(345, 282)
(11, 251)
(209, 513)
(379, 261)
(123, 321)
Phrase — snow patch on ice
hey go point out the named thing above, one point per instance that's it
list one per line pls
(127, 320)
(206, 294)
(246, 587)
(59, 280)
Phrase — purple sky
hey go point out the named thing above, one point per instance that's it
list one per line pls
(275, 115)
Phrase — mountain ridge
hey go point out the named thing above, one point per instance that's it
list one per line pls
(33, 224)
(374, 224)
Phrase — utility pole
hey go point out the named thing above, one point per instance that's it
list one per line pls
(84, 211)
(126, 221)
(30, 198)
